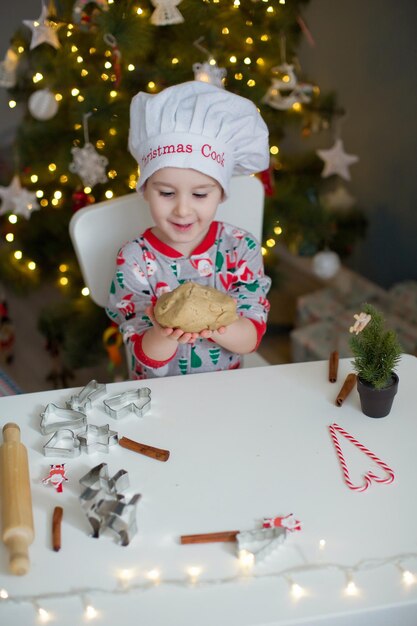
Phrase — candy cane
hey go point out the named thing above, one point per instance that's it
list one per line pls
(369, 476)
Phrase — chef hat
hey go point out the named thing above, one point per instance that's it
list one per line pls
(199, 126)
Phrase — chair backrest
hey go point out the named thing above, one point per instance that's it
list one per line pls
(98, 231)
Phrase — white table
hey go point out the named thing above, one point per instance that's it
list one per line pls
(244, 445)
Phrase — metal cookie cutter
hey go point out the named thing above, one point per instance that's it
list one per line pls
(89, 394)
(105, 507)
(54, 417)
(261, 542)
(98, 438)
(63, 443)
(136, 401)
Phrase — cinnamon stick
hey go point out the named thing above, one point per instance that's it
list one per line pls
(56, 528)
(347, 387)
(142, 448)
(227, 535)
(333, 366)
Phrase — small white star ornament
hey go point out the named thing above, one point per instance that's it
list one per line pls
(43, 30)
(18, 200)
(336, 161)
(166, 13)
(89, 165)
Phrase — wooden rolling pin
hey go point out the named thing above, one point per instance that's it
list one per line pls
(18, 532)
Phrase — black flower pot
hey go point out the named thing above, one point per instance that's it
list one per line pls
(377, 402)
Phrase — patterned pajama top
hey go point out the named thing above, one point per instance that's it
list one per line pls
(228, 259)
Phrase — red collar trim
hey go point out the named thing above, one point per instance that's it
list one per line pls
(163, 248)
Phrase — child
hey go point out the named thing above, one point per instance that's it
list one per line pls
(189, 140)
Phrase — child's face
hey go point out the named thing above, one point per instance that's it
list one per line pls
(183, 203)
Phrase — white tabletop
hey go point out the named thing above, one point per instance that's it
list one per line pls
(244, 445)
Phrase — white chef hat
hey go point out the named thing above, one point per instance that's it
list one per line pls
(199, 126)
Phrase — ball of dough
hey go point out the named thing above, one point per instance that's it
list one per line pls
(194, 308)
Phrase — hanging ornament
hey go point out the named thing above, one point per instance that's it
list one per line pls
(43, 30)
(111, 41)
(285, 90)
(267, 179)
(166, 13)
(336, 161)
(208, 71)
(326, 264)
(80, 199)
(8, 69)
(18, 200)
(338, 200)
(87, 163)
(81, 16)
(42, 104)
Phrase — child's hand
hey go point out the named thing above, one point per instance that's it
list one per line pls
(175, 334)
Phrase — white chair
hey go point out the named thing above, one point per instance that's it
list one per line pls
(98, 231)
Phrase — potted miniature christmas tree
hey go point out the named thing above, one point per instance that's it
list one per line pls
(377, 353)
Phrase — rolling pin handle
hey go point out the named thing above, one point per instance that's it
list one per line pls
(19, 555)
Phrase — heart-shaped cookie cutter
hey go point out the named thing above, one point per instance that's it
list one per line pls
(63, 443)
(55, 417)
(84, 400)
(136, 401)
(97, 438)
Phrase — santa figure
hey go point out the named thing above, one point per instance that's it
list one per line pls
(56, 476)
(127, 307)
(203, 264)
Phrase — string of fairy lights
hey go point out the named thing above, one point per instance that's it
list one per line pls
(57, 197)
(126, 582)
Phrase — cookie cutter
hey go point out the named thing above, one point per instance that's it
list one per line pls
(83, 401)
(63, 443)
(136, 401)
(55, 417)
(261, 542)
(105, 506)
(97, 438)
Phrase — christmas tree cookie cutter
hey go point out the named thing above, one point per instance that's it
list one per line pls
(84, 400)
(136, 401)
(64, 442)
(54, 418)
(98, 438)
(105, 506)
(261, 542)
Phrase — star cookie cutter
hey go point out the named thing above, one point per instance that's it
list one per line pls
(136, 401)
(261, 542)
(54, 418)
(97, 438)
(84, 400)
(105, 507)
(63, 443)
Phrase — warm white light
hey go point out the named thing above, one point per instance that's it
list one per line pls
(124, 575)
(408, 577)
(297, 591)
(130, 67)
(43, 615)
(154, 575)
(90, 612)
(12, 218)
(32, 265)
(194, 572)
(18, 255)
(9, 237)
(109, 194)
(4, 594)
(12, 104)
(246, 559)
(322, 542)
(351, 589)
(85, 291)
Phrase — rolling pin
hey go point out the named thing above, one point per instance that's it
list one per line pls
(17, 517)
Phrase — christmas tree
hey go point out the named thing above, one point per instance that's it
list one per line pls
(76, 67)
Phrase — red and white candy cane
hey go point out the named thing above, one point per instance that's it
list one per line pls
(369, 476)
